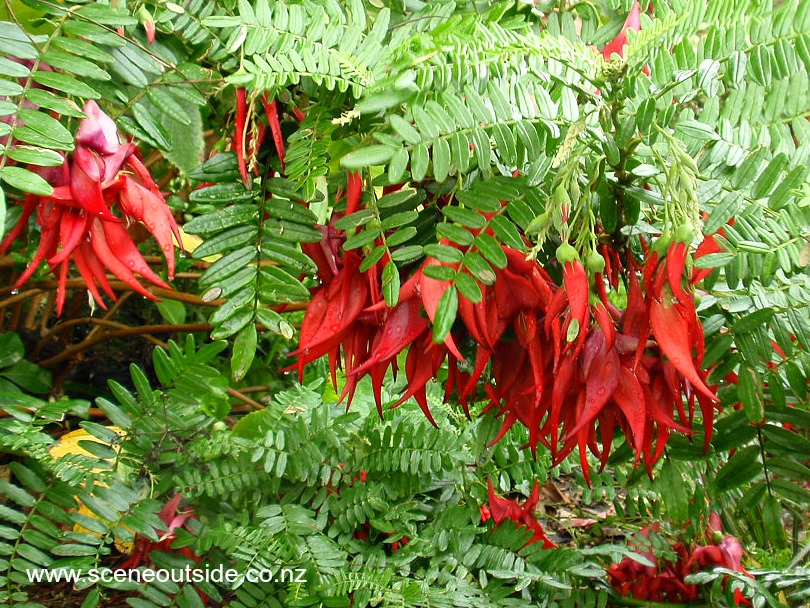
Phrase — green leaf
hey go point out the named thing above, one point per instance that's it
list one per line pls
(772, 521)
(16, 42)
(405, 129)
(92, 599)
(444, 253)
(479, 268)
(445, 314)
(65, 84)
(367, 157)
(390, 284)
(398, 166)
(186, 138)
(791, 491)
(30, 155)
(741, 468)
(222, 167)
(75, 65)
(84, 49)
(407, 254)
(753, 321)
(25, 180)
(48, 100)
(226, 240)
(699, 130)
(10, 89)
(28, 376)
(465, 217)
(441, 159)
(420, 159)
(507, 232)
(94, 33)
(478, 200)
(172, 311)
(48, 128)
(674, 490)
(468, 287)
(11, 348)
(749, 391)
(106, 14)
(234, 323)
(439, 272)
(789, 469)
(228, 265)
(244, 351)
(374, 256)
(290, 257)
(730, 205)
(377, 101)
(13, 69)
(768, 179)
(163, 101)
(234, 215)
(149, 120)
(275, 323)
(491, 250)
(16, 494)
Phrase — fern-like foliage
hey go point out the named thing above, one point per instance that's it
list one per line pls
(255, 236)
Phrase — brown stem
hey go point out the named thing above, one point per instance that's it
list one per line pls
(255, 389)
(77, 283)
(123, 333)
(99, 323)
(244, 398)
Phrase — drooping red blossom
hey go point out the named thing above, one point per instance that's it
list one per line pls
(499, 509)
(563, 360)
(78, 220)
(665, 580)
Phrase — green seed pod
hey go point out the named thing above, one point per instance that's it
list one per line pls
(566, 253)
(684, 233)
(595, 262)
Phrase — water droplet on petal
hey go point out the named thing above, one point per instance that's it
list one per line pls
(131, 263)
(601, 391)
(166, 247)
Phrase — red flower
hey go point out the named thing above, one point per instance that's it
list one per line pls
(500, 509)
(78, 219)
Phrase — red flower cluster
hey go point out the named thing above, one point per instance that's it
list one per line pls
(78, 220)
(665, 582)
(500, 509)
(561, 357)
